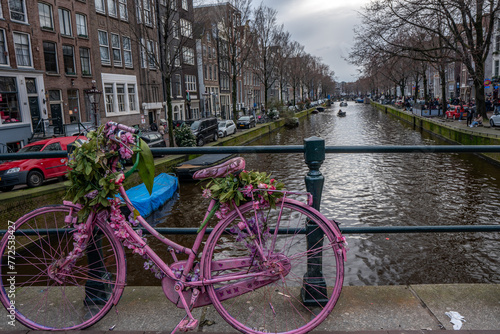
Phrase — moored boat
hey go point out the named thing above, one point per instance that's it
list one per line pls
(186, 169)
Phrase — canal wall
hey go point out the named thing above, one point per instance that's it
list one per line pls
(444, 130)
(16, 203)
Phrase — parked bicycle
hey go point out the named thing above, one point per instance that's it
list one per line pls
(271, 263)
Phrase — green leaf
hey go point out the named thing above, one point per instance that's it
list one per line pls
(210, 215)
(146, 166)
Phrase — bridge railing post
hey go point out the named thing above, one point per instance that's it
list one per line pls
(314, 156)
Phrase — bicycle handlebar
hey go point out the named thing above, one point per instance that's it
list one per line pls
(123, 127)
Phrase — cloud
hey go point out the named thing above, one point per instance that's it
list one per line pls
(325, 28)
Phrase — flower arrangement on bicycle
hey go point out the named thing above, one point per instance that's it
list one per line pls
(93, 181)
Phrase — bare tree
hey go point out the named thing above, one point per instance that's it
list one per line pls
(265, 60)
(450, 29)
(231, 21)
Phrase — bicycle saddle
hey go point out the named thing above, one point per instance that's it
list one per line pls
(231, 166)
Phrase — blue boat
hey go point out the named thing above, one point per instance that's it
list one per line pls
(164, 188)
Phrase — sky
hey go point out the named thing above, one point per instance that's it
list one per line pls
(324, 27)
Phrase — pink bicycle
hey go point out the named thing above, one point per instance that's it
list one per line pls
(267, 266)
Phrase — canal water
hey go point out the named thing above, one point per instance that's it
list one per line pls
(360, 190)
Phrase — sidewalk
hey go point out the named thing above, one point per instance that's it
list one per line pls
(373, 309)
(486, 129)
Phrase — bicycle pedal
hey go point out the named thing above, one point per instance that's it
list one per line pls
(188, 325)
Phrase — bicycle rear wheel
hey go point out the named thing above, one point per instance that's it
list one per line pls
(74, 299)
(293, 289)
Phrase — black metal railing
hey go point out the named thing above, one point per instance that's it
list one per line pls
(314, 151)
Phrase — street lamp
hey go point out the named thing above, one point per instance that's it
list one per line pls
(94, 96)
(205, 103)
(250, 95)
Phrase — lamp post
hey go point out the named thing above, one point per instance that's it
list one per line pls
(205, 104)
(214, 109)
(94, 96)
(250, 95)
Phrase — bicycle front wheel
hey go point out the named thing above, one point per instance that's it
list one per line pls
(286, 278)
(40, 294)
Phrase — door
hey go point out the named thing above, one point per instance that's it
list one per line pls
(56, 118)
(35, 114)
(54, 167)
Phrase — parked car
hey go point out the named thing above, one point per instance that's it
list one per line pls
(495, 118)
(226, 127)
(154, 139)
(204, 130)
(34, 171)
(456, 114)
(245, 122)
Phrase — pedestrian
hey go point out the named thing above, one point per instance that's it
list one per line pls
(154, 127)
(477, 121)
(470, 116)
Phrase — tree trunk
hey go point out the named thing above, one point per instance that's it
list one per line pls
(442, 76)
(170, 113)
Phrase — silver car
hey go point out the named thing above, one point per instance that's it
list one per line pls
(226, 127)
(495, 118)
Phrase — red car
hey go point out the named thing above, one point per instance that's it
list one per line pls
(455, 113)
(33, 171)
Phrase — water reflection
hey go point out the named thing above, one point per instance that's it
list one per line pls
(387, 190)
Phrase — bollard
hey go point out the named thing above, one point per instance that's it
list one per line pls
(315, 292)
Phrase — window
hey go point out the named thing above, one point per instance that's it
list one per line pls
(185, 4)
(81, 25)
(4, 59)
(127, 52)
(18, 10)
(73, 106)
(45, 14)
(117, 54)
(120, 97)
(186, 28)
(85, 61)
(147, 12)
(1, 14)
(175, 29)
(120, 94)
(497, 45)
(108, 93)
(50, 56)
(143, 54)
(191, 83)
(23, 49)
(123, 10)
(173, 4)
(131, 97)
(65, 22)
(99, 6)
(177, 85)
(151, 54)
(112, 10)
(138, 9)
(497, 68)
(188, 55)
(8, 90)
(104, 47)
(69, 59)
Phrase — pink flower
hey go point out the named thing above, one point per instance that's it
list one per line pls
(92, 194)
(271, 188)
(125, 152)
(247, 190)
(119, 178)
(263, 185)
(207, 193)
(272, 181)
(255, 205)
(128, 138)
